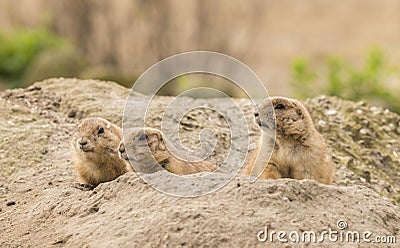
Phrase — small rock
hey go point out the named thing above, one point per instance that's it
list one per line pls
(56, 104)
(366, 176)
(365, 123)
(72, 114)
(94, 209)
(331, 112)
(361, 103)
(375, 110)
(349, 109)
(20, 96)
(388, 128)
(11, 203)
(33, 88)
(365, 131)
(58, 242)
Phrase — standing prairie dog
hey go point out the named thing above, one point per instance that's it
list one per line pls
(95, 152)
(300, 152)
(150, 154)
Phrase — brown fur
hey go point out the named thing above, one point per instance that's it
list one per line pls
(141, 139)
(97, 160)
(300, 152)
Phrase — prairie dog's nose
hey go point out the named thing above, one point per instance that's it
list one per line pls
(83, 141)
(121, 147)
(257, 118)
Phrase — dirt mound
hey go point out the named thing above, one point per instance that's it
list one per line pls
(40, 206)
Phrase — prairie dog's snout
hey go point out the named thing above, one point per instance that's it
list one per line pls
(122, 151)
(264, 116)
(83, 143)
(257, 117)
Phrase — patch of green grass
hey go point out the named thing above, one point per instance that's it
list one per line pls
(19, 47)
(338, 78)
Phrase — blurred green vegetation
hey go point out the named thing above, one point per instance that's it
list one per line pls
(31, 55)
(207, 86)
(19, 47)
(375, 80)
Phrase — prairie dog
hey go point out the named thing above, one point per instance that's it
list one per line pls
(300, 152)
(150, 154)
(95, 151)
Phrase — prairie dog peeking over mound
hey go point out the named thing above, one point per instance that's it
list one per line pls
(300, 152)
(95, 151)
(149, 154)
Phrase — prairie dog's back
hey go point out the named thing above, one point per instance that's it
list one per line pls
(147, 149)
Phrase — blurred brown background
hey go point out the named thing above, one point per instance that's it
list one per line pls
(119, 40)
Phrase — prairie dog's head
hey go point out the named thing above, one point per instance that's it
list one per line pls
(141, 139)
(291, 117)
(96, 138)
(142, 147)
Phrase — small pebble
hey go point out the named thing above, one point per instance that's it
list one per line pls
(71, 113)
(365, 131)
(33, 88)
(375, 110)
(10, 203)
(365, 123)
(331, 112)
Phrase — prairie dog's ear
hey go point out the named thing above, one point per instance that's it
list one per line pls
(299, 112)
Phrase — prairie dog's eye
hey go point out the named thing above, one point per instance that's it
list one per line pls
(143, 136)
(280, 106)
(100, 131)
